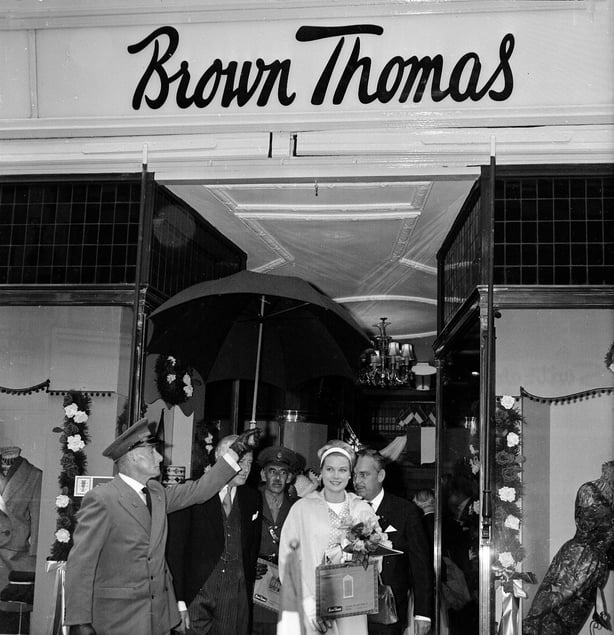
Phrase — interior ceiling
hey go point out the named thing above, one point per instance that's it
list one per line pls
(369, 245)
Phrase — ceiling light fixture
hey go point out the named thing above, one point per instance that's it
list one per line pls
(387, 364)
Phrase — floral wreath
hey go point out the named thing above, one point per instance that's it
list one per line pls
(173, 379)
(73, 437)
(508, 463)
(609, 359)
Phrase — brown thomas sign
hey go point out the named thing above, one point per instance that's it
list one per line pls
(400, 78)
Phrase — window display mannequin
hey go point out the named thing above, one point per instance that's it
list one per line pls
(579, 571)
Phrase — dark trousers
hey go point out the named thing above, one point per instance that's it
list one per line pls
(386, 629)
(221, 606)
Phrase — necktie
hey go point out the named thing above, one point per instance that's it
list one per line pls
(227, 503)
(145, 491)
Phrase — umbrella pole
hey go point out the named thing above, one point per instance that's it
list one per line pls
(252, 421)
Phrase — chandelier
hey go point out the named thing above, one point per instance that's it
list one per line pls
(388, 364)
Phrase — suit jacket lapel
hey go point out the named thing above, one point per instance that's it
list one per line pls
(17, 478)
(133, 503)
(386, 513)
(158, 513)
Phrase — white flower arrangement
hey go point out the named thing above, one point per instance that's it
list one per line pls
(62, 501)
(507, 560)
(513, 522)
(512, 440)
(507, 402)
(80, 416)
(507, 494)
(75, 443)
(62, 535)
(71, 410)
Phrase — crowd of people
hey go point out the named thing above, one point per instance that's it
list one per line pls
(151, 560)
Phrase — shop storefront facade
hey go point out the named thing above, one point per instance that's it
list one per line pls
(102, 102)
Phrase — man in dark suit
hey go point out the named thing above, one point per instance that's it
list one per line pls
(117, 580)
(401, 520)
(212, 550)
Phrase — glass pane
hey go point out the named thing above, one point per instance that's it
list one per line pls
(460, 495)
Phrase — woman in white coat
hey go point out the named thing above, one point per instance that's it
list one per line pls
(319, 522)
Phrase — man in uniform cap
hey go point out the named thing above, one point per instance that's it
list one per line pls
(277, 464)
(117, 579)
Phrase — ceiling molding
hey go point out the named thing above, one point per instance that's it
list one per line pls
(283, 255)
(365, 213)
(51, 14)
(385, 298)
(413, 264)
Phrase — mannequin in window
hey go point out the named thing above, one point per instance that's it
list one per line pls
(572, 587)
(20, 493)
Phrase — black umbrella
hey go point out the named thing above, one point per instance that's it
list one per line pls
(278, 329)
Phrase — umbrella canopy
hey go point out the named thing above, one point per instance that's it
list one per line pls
(280, 329)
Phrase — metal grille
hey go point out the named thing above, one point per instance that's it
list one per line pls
(68, 233)
(85, 232)
(461, 267)
(555, 230)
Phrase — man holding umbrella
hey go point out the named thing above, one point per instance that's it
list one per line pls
(117, 580)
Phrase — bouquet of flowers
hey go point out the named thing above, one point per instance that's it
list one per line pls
(365, 538)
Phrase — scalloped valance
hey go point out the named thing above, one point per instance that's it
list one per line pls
(44, 385)
(577, 396)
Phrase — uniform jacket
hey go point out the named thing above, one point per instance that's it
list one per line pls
(196, 541)
(402, 521)
(271, 530)
(116, 575)
(269, 546)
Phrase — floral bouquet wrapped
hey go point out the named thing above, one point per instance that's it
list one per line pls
(365, 538)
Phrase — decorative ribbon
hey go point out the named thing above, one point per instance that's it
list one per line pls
(508, 623)
(57, 627)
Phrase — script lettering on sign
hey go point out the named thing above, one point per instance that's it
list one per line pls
(240, 82)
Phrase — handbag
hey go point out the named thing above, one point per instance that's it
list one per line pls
(387, 607)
